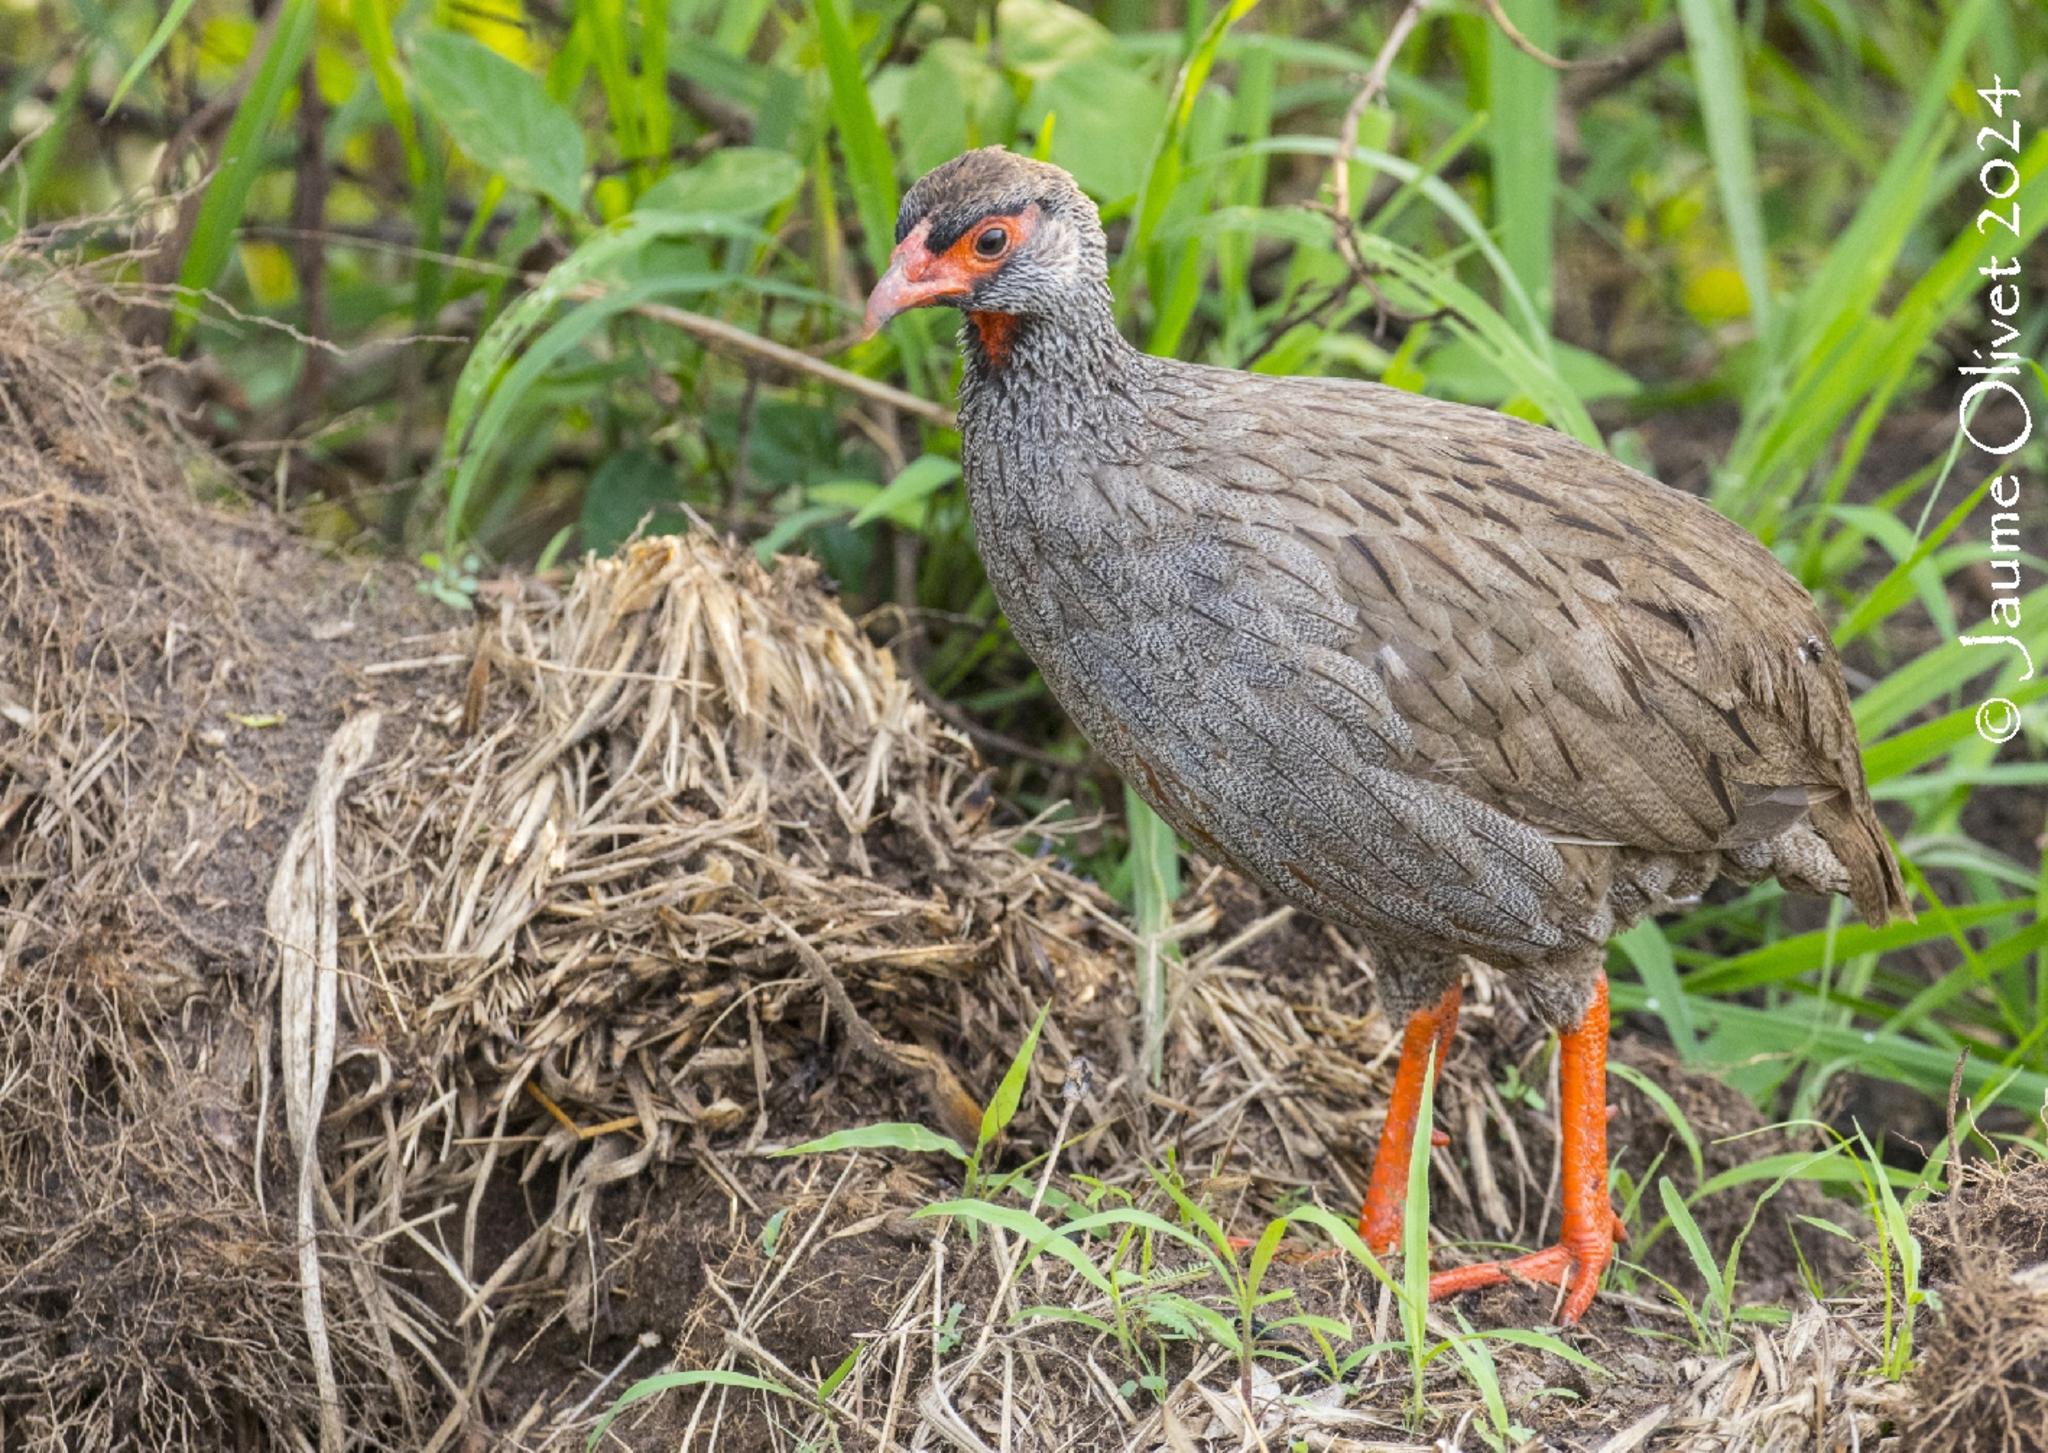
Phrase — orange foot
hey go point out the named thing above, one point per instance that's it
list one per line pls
(1590, 1226)
(1574, 1264)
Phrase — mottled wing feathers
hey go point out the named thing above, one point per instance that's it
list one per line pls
(1602, 657)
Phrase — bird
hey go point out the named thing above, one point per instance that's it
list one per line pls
(1450, 679)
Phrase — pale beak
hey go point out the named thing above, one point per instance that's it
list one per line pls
(915, 279)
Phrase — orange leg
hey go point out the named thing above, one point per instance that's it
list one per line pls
(1379, 1223)
(1590, 1228)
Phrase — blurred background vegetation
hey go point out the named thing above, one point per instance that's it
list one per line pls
(491, 283)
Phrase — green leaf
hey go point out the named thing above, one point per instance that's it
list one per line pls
(373, 33)
(500, 116)
(793, 527)
(1140, 1220)
(1522, 140)
(1039, 38)
(166, 28)
(241, 159)
(1414, 1298)
(1823, 1168)
(1458, 370)
(1189, 1318)
(869, 165)
(1064, 1314)
(1541, 1342)
(1002, 1106)
(734, 181)
(1696, 1244)
(1345, 1234)
(1107, 115)
(1661, 1098)
(836, 1376)
(1262, 1254)
(1036, 1235)
(1531, 366)
(902, 499)
(471, 453)
(889, 1135)
(647, 1387)
(1650, 951)
(1154, 862)
(1480, 1370)
(632, 485)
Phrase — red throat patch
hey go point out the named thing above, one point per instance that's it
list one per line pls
(998, 331)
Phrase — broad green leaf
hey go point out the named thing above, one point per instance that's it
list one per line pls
(1039, 38)
(734, 181)
(500, 116)
(630, 486)
(902, 499)
(1107, 115)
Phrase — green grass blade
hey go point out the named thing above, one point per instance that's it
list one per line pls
(655, 121)
(373, 33)
(869, 163)
(888, 1135)
(1002, 1106)
(1521, 135)
(1657, 1095)
(1414, 1298)
(166, 28)
(1649, 950)
(1155, 886)
(1774, 1032)
(1714, 44)
(647, 1387)
(241, 161)
(1034, 1233)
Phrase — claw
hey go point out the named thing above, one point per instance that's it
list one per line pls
(1574, 1265)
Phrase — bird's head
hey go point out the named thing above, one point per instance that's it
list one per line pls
(997, 236)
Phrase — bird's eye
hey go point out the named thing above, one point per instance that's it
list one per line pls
(991, 243)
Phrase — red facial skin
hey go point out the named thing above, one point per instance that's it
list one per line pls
(917, 278)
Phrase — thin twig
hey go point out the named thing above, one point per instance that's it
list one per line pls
(1347, 143)
(1375, 82)
(1532, 50)
(725, 335)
